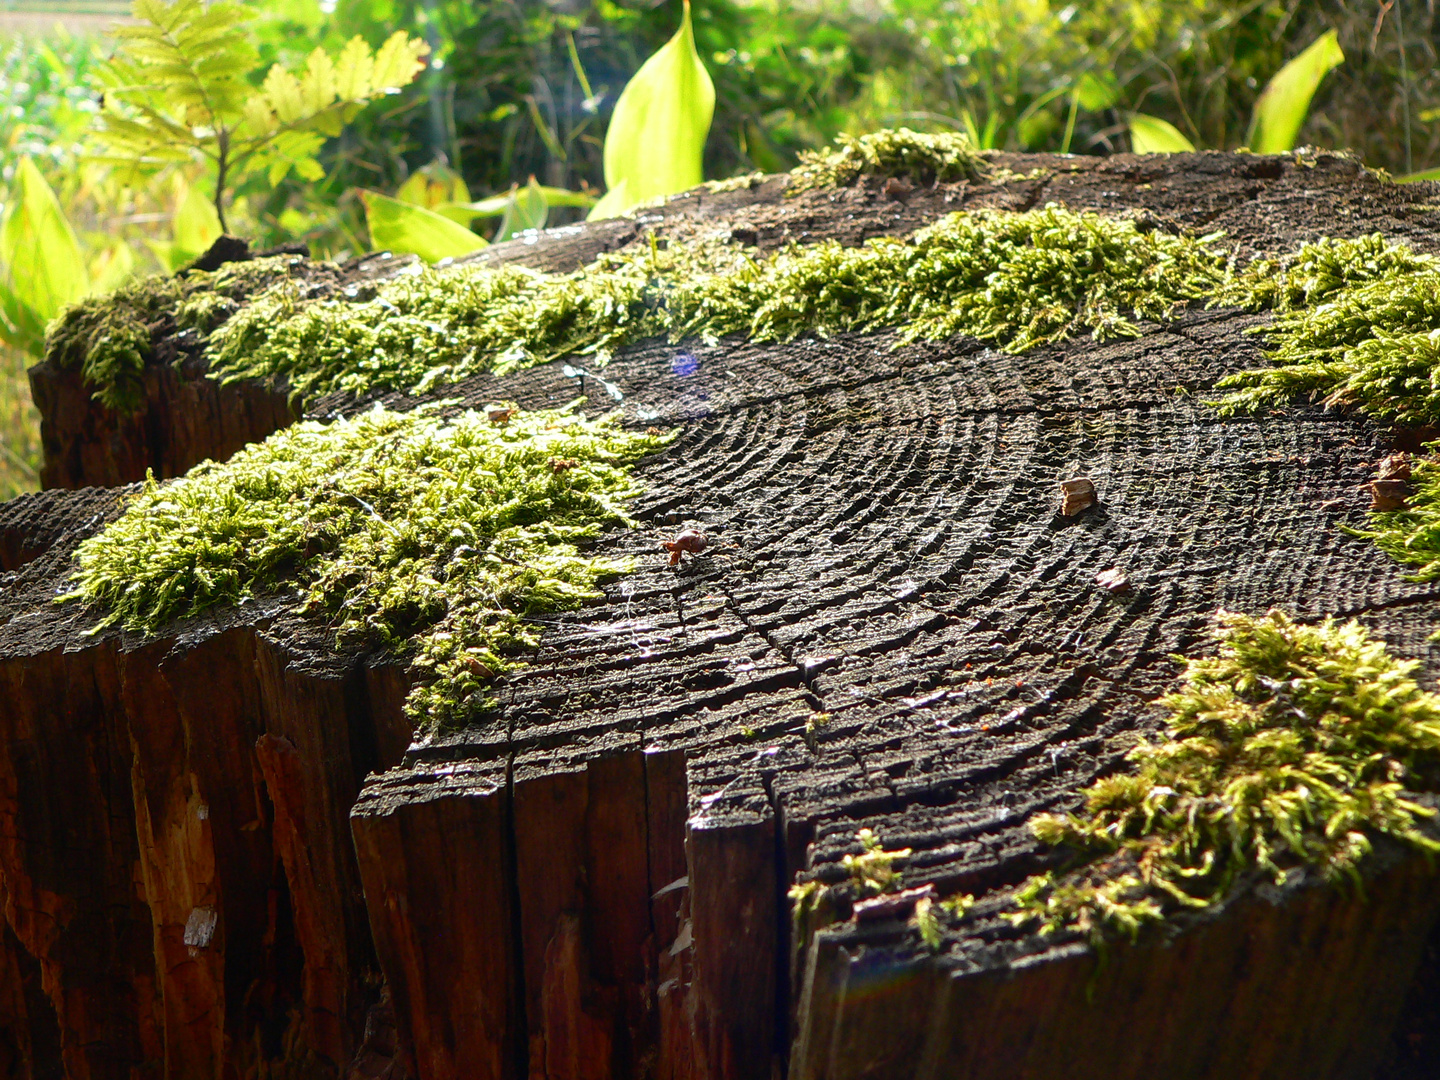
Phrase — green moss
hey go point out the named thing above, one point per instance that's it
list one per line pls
(443, 324)
(1296, 746)
(1014, 279)
(1019, 280)
(743, 182)
(873, 870)
(110, 338)
(1357, 323)
(900, 152)
(927, 923)
(1412, 536)
(431, 538)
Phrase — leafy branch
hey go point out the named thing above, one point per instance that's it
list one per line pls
(178, 90)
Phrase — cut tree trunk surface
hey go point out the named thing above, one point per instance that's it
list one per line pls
(218, 852)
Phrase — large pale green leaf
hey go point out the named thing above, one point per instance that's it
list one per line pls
(1283, 104)
(434, 186)
(403, 227)
(40, 258)
(164, 252)
(197, 226)
(656, 140)
(1097, 91)
(1412, 178)
(614, 202)
(112, 266)
(20, 326)
(1151, 135)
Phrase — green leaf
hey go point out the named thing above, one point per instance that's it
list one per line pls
(1411, 178)
(613, 203)
(40, 255)
(495, 205)
(1151, 135)
(309, 169)
(318, 85)
(353, 70)
(1097, 91)
(20, 327)
(1280, 112)
(404, 227)
(197, 226)
(282, 92)
(526, 209)
(164, 252)
(181, 88)
(656, 141)
(564, 197)
(397, 63)
(112, 267)
(433, 186)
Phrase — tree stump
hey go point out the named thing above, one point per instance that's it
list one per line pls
(225, 853)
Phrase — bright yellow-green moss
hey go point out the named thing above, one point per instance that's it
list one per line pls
(1296, 746)
(110, 338)
(873, 870)
(1412, 535)
(428, 537)
(444, 323)
(1018, 280)
(900, 152)
(1357, 323)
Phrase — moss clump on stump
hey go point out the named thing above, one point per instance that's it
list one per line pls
(942, 158)
(1018, 280)
(1357, 323)
(1296, 746)
(429, 537)
(1412, 536)
(110, 338)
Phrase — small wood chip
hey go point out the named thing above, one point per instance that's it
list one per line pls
(1394, 466)
(1113, 581)
(1075, 495)
(896, 189)
(892, 905)
(479, 670)
(500, 416)
(1388, 494)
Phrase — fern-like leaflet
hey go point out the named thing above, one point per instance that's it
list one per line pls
(179, 89)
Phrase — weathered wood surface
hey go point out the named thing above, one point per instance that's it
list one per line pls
(591, 883)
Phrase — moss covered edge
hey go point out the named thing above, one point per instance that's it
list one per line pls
(1357, 322)
(1291, 749)
(109, 339)
(437, 540)
(1015, 279)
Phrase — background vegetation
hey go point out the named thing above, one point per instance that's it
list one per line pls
(522, 88)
